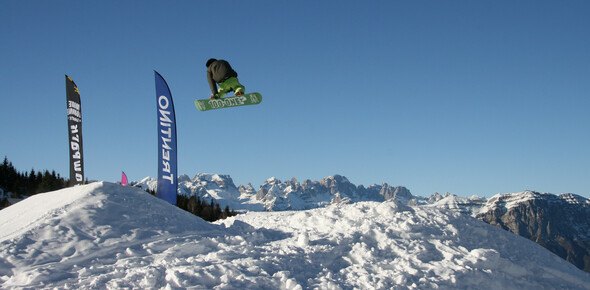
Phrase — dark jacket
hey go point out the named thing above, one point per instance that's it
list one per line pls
(217, 72)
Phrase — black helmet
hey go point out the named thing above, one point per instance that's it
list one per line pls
(210, 61)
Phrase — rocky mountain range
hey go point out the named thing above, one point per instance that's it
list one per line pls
(276, 195)
(560, 223)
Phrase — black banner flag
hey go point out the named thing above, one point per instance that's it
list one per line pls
(75, 132)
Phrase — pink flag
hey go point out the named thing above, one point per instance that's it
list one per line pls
(124, 179)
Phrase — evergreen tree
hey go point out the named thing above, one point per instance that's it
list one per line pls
(4, 174)
(181, 201)
(31, 182)
(218, 212)
(226, 212)
(192, 206)
(9, 176)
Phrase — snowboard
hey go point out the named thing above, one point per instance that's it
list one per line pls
(243, 100)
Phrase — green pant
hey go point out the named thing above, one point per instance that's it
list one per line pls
(231, 84)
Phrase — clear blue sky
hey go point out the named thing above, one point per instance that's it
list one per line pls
(467, 97)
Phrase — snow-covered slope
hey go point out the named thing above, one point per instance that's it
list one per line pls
(105, 235)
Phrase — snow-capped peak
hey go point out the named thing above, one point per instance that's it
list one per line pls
(509, 201)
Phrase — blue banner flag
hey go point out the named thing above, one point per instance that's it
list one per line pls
(167, 165)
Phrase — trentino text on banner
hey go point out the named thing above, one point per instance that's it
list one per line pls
(167, 165)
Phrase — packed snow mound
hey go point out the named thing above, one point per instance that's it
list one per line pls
(385, 245)
(109, 236)
(55, 236)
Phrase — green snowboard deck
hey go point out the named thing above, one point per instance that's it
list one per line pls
(243, 100)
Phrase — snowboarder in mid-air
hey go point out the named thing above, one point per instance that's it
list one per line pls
(220, 72)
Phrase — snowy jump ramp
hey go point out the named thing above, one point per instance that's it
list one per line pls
(104, 235)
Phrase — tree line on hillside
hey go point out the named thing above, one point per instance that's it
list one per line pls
(28, 183)
(209, 211)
